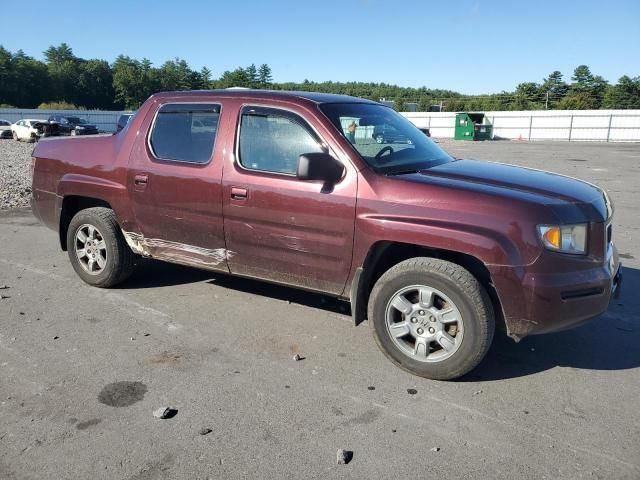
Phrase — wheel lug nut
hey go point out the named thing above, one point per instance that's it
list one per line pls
(432, 330)
(414, 319)
(420, 331)
(421, 312)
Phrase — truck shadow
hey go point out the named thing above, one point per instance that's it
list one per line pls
(610, 342)
(152, 274)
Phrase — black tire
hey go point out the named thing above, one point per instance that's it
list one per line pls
(120, 260)
(15, 136)
(465, 292)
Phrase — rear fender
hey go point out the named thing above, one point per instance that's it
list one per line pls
(113, 193)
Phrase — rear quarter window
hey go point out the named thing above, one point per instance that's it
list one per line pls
(185, 132)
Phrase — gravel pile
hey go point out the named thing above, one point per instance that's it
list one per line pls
(15, 173)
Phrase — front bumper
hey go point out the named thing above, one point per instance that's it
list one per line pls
(535, 302)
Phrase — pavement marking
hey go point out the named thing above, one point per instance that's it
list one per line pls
(149, 314)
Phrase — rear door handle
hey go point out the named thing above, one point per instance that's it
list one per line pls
(140, 181)
(238, 193)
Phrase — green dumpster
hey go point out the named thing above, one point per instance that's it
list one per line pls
(473, 126)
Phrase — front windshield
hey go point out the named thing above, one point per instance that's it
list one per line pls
(387, 141)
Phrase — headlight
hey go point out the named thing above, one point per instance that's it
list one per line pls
(564, 238)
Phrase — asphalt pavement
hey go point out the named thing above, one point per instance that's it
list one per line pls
(82, 371)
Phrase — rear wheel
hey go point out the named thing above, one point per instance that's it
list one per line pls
(97, 249)
(432, 318)
(16, 137)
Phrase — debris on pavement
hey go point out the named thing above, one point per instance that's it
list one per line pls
(56, 337)
(2, 297)
(205, 431)
(165, 412)
(344, 456)
(435, 449)
(412, 391)
(477, 392)
(4, 287)
(297, 358)
(371, 387)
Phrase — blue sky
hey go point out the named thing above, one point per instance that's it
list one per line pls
(469, 46)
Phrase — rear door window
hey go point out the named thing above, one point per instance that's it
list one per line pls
(185, 132)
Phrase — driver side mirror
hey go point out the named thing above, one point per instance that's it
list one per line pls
(319, 166)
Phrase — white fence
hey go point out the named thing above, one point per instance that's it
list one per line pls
(576, 125)
(105, 120)
(572, 125)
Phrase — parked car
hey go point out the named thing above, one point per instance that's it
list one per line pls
(435, 252)
(5, 129)
(32, 129)
(70, 125)
(123, 120)
(389, 134)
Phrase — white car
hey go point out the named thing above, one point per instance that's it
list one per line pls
(32, 129)
(5, 129)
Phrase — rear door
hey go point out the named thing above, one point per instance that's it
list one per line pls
(174, 181)
(21, 129)
(277, 227)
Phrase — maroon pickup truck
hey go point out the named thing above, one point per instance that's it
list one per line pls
(293, 188)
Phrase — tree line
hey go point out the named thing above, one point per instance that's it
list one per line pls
(64, 80)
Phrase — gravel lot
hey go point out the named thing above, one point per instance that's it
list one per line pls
(15, 174)
(83, 370)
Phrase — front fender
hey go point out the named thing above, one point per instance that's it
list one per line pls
(490, 246)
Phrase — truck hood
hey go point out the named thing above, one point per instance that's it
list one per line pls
(572, 200)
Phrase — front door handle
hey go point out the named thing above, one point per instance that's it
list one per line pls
(238, 193)
(140, 181)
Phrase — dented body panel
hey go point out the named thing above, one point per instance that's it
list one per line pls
(302, 234)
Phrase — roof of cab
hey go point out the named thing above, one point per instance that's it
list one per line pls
(314, 97)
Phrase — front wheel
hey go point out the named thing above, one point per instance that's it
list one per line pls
(16, 137)
(97, 249)
(432, 318)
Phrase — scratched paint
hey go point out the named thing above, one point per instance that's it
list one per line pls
(176, 251)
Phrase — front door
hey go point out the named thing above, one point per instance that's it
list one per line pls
(174, 181)
(277, 227)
